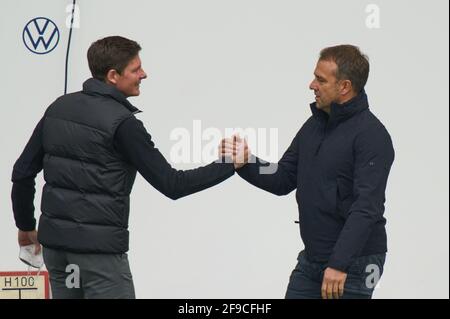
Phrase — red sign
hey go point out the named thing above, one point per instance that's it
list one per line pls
(24, 285)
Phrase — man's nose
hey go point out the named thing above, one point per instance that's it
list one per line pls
(312, 85)
(143, 75)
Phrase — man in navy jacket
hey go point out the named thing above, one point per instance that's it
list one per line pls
(339, 163)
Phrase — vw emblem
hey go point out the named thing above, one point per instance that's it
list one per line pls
(40, 35)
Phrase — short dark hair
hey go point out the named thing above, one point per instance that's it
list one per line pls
(113, 52)
(351, 63)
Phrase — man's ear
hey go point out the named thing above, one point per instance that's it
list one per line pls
(111, 76)
(346, 87)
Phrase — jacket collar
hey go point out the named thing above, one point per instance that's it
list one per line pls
(94, 86)
(342, 112)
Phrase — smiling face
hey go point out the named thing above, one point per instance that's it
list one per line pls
(129, 80)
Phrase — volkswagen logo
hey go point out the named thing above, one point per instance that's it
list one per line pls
(40, 35)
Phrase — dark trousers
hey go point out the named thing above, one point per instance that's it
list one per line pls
(362, 276)
(100, 276)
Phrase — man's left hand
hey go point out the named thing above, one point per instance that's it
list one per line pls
(333, 283)
(27, 238)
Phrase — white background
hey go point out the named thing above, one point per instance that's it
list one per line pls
(247, 64)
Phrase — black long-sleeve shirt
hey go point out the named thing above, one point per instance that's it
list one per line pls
(136, 145)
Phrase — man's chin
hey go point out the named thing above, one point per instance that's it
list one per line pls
(325, 108)
(135, 93)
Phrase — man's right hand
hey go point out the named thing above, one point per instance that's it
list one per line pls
(237, 149)
(29, 237)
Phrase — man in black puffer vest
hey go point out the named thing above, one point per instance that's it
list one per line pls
(90, 146)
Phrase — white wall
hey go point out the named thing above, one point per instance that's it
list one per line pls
(247, 64)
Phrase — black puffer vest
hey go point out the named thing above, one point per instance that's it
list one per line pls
(85, 201)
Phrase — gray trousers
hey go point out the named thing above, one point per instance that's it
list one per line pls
(88, 276)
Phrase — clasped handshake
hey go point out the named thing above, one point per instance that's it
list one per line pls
(235, 150)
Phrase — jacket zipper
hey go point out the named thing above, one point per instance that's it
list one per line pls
(324, 135)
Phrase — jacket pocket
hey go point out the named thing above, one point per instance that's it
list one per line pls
(325, 197)
(344, 196)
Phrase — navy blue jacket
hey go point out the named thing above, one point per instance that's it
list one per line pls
(339, 164)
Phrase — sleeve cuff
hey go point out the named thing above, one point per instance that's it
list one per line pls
(27, 226)
(338, 264)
